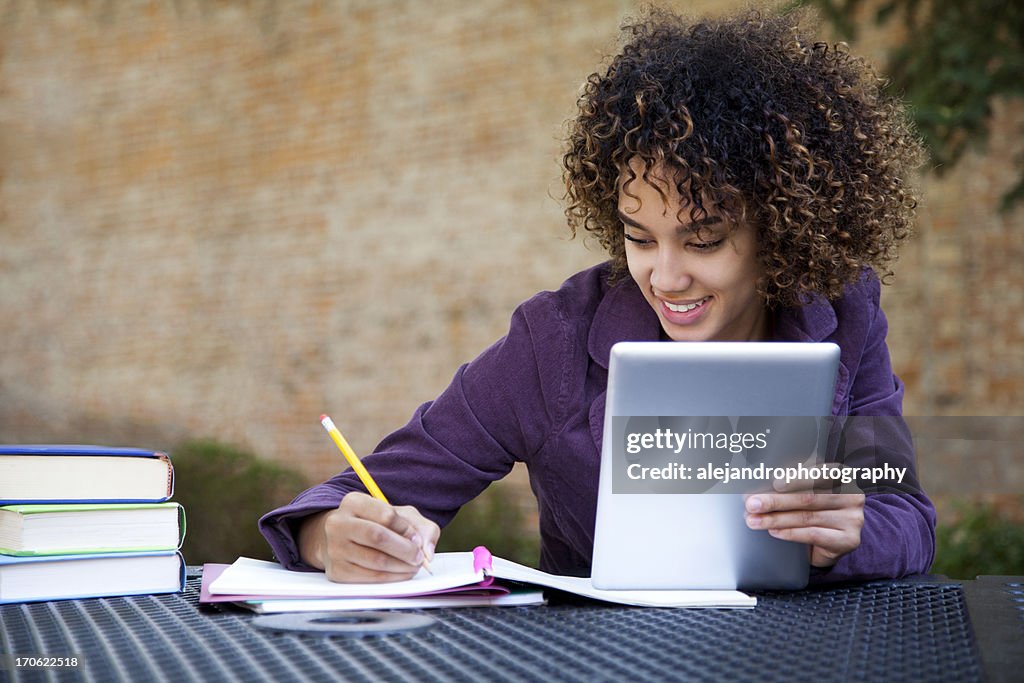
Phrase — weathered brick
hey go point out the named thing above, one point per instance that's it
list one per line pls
(222, 219)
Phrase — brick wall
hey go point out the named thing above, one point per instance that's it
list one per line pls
(222, 219)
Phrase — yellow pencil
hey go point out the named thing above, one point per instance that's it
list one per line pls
(361, 472)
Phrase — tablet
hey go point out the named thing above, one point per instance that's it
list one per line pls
(677, 410)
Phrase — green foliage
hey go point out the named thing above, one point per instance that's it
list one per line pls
(494, 519)
(224, 491)
(979, 540)
(958, 57)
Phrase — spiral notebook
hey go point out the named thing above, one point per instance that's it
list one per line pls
(454, 574)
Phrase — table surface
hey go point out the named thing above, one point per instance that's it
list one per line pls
(920, 630)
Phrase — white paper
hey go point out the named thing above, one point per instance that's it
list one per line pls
(450, 570)
(247, 576)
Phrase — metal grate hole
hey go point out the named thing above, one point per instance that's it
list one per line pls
(1016, 590)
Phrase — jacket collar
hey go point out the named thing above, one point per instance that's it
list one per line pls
(622, 315)
(815, 321)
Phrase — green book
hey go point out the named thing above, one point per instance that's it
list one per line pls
(84, 528)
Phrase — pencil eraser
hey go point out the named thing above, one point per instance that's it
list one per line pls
(323, 417)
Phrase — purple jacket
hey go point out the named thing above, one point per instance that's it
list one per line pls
(537, 396)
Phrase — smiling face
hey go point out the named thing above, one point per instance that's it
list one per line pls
(700, 278)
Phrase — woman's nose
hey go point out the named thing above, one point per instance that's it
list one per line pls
(671, 273)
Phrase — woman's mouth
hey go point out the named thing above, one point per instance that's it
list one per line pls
(684, 313)
(682, 308)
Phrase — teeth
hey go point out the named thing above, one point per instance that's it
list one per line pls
(684, 307)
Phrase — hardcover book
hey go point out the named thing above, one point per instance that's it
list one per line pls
(83, 474)
(78, 528)
(59, 577)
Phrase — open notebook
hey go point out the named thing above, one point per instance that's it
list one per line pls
(495, 595)
(454, 574)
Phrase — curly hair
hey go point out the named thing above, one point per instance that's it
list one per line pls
(797, 138)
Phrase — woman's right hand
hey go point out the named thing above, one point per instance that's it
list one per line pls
(365, 540)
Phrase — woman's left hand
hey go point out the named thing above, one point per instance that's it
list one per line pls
(828, 522)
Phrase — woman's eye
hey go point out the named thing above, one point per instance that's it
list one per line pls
(637, 241)
(706, 246)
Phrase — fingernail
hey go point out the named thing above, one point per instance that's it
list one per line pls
(754, 521)
(754, 504)
(429, 550)
(415, 538)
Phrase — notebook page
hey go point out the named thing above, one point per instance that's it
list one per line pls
(247, 576)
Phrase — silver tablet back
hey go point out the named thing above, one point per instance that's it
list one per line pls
(659, 526)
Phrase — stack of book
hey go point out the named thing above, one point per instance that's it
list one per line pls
(87, 521)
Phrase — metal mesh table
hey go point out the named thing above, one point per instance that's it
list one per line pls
(914, 630)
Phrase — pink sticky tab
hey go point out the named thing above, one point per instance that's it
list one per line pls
(481, 559)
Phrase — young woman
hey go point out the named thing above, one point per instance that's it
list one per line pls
(747, 184)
